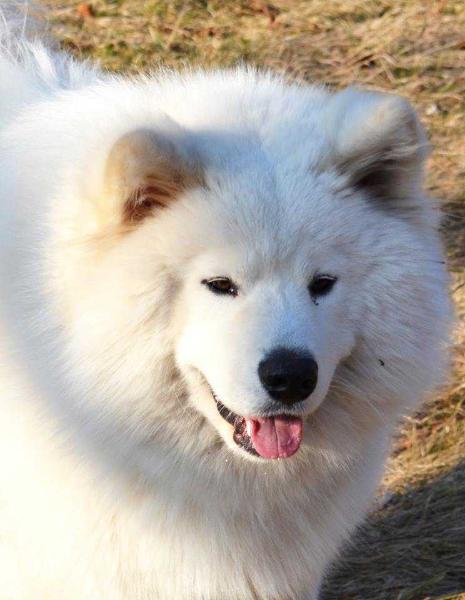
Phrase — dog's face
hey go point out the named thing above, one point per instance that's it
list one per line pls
(265, 315)
(244, 275)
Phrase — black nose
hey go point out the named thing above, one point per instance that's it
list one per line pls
(288, 375)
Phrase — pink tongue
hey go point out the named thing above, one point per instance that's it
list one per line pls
(275, 437)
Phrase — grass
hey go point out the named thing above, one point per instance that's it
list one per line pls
(413, 546)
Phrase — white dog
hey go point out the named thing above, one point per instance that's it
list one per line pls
(219, 293)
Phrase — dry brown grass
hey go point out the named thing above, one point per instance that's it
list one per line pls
(413, 547)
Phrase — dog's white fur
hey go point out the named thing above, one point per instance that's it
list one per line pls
(119, 479)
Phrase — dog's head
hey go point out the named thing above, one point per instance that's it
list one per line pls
(246, 274)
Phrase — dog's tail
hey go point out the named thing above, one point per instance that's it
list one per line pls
(31, 67)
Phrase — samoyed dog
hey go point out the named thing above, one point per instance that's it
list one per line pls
(219, 292)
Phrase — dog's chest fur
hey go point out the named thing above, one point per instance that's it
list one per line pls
(237, 536)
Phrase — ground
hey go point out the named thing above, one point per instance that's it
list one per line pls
(413, 547)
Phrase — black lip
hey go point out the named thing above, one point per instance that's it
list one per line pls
(240, 435)
(228, 415)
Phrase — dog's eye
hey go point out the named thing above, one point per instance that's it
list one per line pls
(221, 285)
(321, 285)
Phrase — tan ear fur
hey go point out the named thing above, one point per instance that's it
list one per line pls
(146, 171)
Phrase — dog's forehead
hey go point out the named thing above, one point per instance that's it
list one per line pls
(268, 215)
(269, 181)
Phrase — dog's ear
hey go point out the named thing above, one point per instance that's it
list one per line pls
(146, 171)
(379, 145)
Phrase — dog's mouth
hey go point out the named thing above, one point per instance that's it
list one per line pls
(277, 436)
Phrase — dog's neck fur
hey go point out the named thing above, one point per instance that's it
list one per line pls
(238, 511)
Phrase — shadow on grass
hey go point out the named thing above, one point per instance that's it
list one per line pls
(411, 549)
